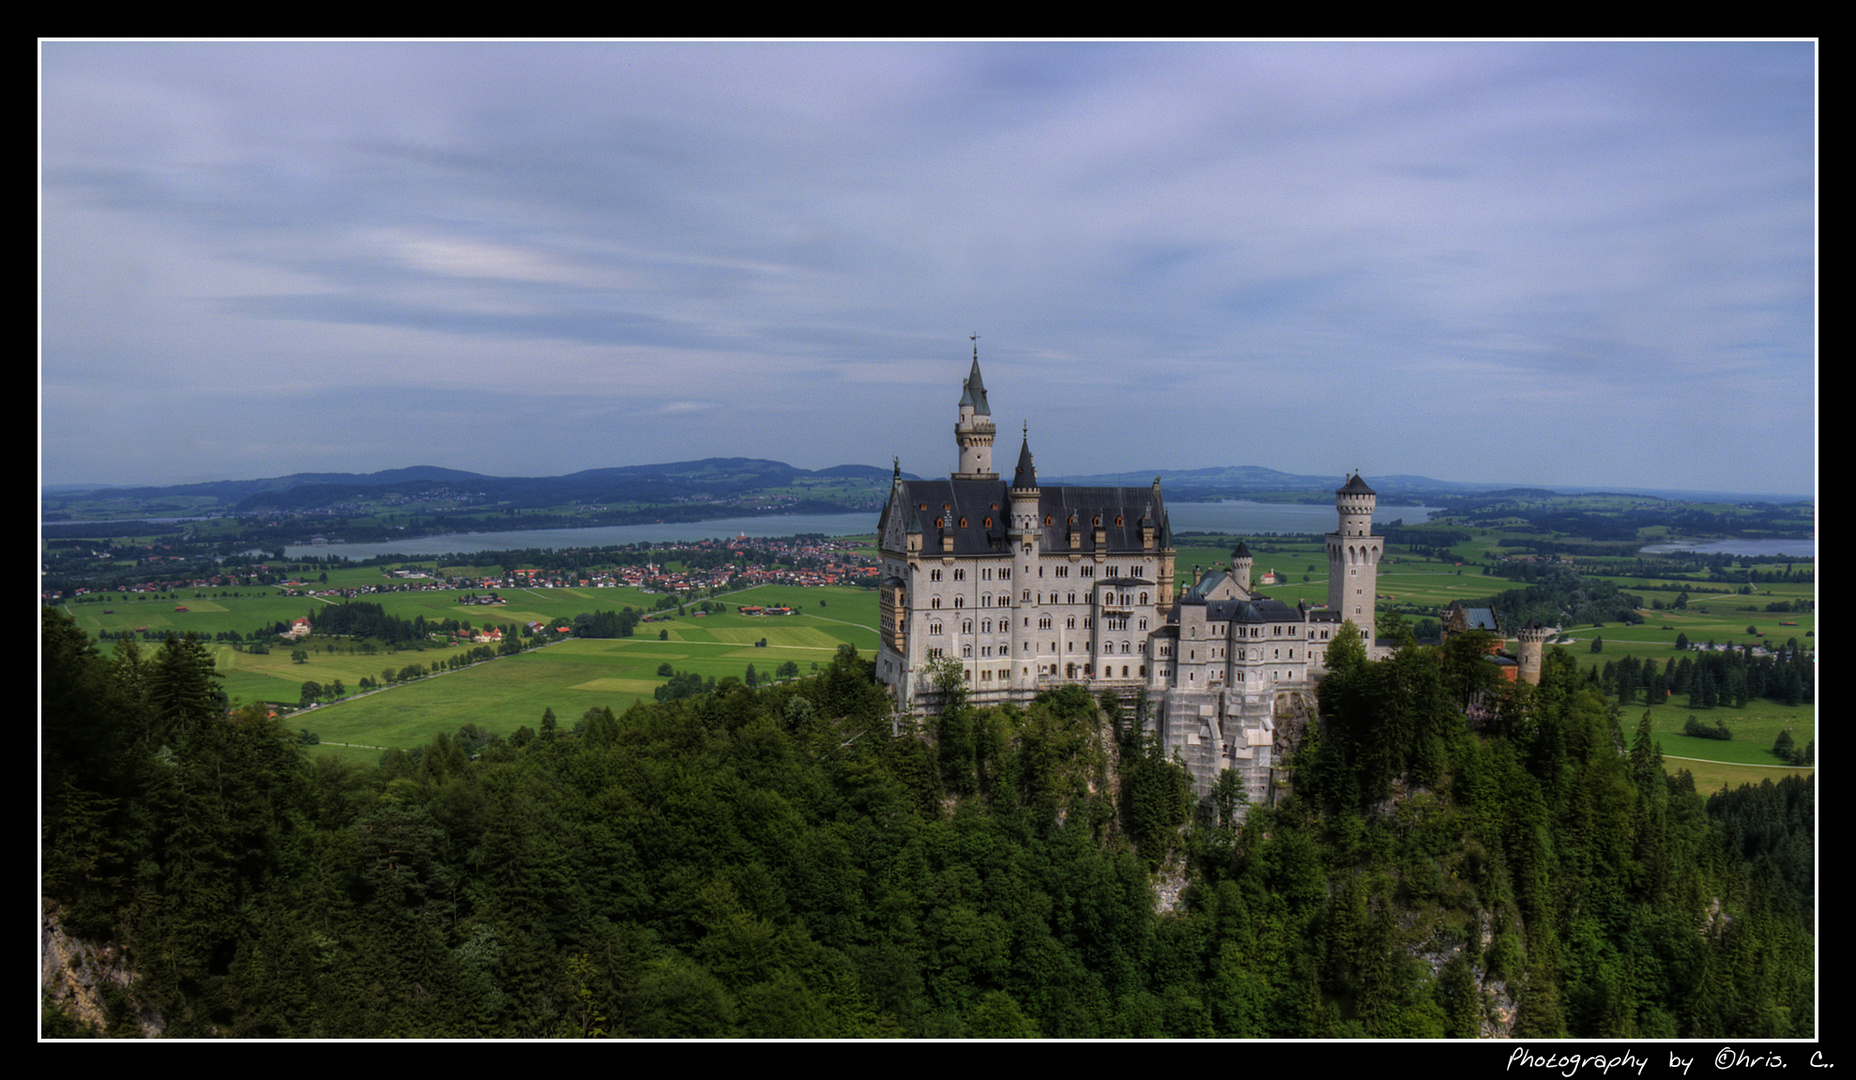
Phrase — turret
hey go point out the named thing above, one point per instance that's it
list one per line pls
(973, 432)
(1241, 565)
(1533, 648)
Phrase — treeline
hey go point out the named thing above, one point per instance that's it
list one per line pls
(1710, 677)
(1791, 521)
(1557, 595)
(1430, 541)
(796, 862)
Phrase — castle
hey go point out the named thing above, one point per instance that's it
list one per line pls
(1027, 587)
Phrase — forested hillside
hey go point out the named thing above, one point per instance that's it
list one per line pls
(785, 862)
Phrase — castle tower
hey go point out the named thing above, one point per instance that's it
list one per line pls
(1533, 651)
(1353, 557)
(1025, 536)
(1241, 565)
(973, 432)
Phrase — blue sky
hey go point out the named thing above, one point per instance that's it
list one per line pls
(1549, 263)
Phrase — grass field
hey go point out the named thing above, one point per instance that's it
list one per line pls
(501, 695)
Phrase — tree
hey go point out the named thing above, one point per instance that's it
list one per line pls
(299, 656)
(1347, 651)
(1598, 644)
(1391, 626)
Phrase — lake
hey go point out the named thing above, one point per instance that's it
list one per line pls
(1234, 516)
(1761, 549)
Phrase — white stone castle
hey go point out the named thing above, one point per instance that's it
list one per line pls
(1030, 587)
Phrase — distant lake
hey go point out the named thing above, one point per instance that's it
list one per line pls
(1762, 549)
(1237, 516)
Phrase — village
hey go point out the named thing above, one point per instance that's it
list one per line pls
(732, 564)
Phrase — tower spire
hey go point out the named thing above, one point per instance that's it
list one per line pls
(974, 431)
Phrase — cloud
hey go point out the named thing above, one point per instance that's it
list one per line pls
(1150, 238)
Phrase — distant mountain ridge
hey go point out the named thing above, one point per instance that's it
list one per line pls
(726, 477)
(659, 483)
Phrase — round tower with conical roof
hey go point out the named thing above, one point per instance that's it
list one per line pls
(1241, 566)
(1353, 557)
(973, 432)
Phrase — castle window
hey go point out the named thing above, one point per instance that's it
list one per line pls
(1118, 521)
(963, 521)
(966, 626)
(934, 628)
(959, 601)
(935, 602)
(940, 523)
(1048, 520)
(989, 523)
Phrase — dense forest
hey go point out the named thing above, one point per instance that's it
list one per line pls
(1448, 860)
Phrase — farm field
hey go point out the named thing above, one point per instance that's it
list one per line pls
(569, 677)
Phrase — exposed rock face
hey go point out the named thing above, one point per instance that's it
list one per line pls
(73, 973)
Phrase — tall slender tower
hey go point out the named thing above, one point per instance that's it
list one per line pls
(973, 432)
(1025, 536)
(1353, 557)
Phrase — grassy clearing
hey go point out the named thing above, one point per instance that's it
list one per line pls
(569, 677)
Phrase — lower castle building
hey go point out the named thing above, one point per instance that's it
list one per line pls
(1027, 587)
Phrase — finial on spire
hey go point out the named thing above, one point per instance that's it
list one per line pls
(975, 338)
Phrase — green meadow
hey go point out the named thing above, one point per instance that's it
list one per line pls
(500, 695)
